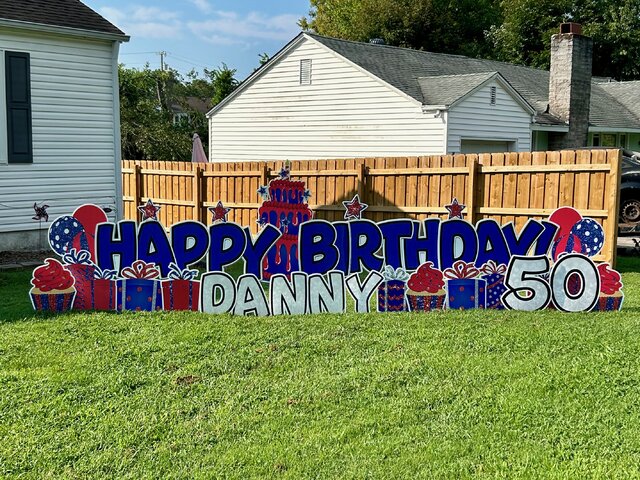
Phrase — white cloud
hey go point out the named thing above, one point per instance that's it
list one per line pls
(230, 28)
(203, 5)
(145, 22)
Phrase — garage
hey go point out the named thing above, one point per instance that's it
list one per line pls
(486, 146)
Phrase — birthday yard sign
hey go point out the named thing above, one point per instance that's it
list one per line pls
(297, 264)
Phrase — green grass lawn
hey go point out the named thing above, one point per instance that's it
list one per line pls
(449, 395)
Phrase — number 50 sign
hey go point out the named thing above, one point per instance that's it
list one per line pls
(573, 284)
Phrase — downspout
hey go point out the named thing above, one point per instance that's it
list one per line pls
(119, 203)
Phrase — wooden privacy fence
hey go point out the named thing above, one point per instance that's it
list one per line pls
(508, 187)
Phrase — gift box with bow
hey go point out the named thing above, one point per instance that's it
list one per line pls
(181, 291)
(391, 292)
(494, 274)
(138, 289)
(79, 264)
(104, 290)
(464, 289)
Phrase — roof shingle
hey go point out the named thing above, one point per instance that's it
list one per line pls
(61, 13)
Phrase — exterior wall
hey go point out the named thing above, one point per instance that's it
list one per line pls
(75, 130)
(540, 141)
(343, 113)
(634, 142)
(475, 118)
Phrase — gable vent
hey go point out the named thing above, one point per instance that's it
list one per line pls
(493, 95)
(305, 72)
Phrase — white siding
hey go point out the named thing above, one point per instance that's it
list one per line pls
(343, 113)
(74, 153)
(475, 118)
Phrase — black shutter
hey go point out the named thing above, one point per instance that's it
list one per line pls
(18, 82)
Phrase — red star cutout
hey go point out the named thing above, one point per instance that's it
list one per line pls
(455, 209)
(149, 211)
(219, 212)
(354, 208)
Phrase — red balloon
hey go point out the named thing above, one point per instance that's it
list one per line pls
(89, 217)
(565, 218)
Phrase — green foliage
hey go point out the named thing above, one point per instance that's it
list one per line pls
(433, 25)
(525, 34)
(516, 31)
(148, 100)
(450, 395)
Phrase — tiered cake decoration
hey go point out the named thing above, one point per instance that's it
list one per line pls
(285, 207)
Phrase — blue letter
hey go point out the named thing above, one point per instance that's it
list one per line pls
(366, 240)
(255, 251)
(491, 243)
(428, 243)
(124, 245)
(458, 241)
(190, 242)
(317, 251)
(154, 247)
(227, 245)
(393, 234)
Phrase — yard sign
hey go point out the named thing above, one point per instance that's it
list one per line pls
(297, 264)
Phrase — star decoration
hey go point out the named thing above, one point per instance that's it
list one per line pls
(41, 212)
(263, 191)
(455, 209)
(219, 212)
(284, 223)
(285, 173)
(354, 208)
(306, 195)
(149, 211)
(261, 222)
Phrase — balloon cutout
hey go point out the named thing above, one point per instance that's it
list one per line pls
(576, 234)
(455, 209)
(76, 231)
(149, 211)
(354, 208)
(40, 212)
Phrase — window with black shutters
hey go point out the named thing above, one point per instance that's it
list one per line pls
(18, 87)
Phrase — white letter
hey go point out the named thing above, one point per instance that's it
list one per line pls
(251, 299)
(217, 282)
(323, 298)
(286, 299)
(361, 293)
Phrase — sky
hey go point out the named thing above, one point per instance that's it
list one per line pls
(202, 33)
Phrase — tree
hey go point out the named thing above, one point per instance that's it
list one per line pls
(147, 101)
(525, 35)
(434, 25)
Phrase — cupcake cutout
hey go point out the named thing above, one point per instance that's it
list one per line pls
(53, 287)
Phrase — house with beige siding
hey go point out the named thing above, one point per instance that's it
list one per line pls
(59, 114)
(323, 98)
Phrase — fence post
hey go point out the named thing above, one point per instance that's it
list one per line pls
(613, 201)
(264, 174)
(137, 190)
(362, 173)
(471, 188)
(197, 209)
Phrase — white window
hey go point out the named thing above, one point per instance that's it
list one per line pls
(305, 72)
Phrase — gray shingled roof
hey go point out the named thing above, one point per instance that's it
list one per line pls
(446, 89)
(61, 13)
(406, 70)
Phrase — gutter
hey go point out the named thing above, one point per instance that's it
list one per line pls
(76, 32)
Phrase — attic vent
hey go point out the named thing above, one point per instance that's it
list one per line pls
(305, 72)
(493, 95)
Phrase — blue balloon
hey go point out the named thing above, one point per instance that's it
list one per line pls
(591, 236)
(62, 233)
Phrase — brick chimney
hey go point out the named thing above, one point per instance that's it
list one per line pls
(570, 85)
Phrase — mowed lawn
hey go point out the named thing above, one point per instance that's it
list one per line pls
(448, 395)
